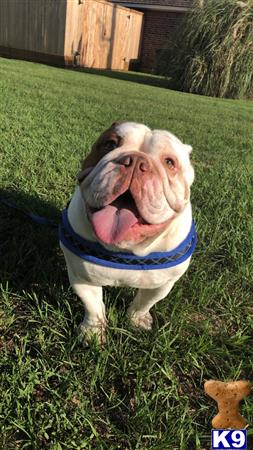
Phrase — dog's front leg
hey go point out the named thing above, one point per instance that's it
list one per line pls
(138, 311)
(94, 322)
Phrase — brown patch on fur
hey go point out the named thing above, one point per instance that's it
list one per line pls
(98, 150)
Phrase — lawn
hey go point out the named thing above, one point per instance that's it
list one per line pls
(143, 390)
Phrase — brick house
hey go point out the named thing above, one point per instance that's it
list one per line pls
(162, 20)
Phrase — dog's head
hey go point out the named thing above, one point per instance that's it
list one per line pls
(134, 182)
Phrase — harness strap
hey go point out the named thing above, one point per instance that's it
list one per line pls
(95, 253)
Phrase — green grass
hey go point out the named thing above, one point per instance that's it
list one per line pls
(143, 390)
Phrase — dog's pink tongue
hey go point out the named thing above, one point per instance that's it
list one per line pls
(111, 223)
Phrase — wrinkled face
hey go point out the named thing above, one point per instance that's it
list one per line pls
(135, 182)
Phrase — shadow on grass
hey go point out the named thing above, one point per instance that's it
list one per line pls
(30, 257)
(135, 77)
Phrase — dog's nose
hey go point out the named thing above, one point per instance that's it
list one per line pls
(139, 162)
(142, 165)
(126, 161)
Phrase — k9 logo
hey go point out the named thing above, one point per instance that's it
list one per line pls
(229, 439)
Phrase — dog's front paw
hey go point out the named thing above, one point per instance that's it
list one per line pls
(140, 320)
(92, 332)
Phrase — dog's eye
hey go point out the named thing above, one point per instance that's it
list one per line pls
(170, 163)
(110, 145)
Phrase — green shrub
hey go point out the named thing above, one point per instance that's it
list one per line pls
(214, 53)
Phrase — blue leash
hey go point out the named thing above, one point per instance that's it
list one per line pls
(35, 217)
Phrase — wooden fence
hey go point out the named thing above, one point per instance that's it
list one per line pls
(33, 29)
(89, 33)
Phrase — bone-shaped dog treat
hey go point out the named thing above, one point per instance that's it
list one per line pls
(228, 395)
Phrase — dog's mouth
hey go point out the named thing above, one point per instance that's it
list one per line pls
(121, 221)
(112, 222)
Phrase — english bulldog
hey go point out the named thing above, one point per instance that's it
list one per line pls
(132, 197)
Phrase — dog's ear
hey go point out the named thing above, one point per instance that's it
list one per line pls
(188, 148)
(114, 124)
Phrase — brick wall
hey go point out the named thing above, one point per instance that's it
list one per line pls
(159, 27)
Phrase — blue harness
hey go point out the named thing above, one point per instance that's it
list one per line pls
(95, 253)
